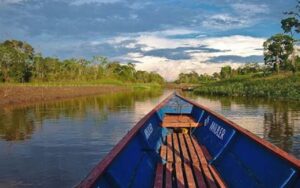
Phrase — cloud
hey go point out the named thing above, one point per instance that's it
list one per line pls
(236, 45)
(169, 56)
(243, 15)
(237, 59)
(171, 69)
(156, 35)
(250, 9)
(224, 22)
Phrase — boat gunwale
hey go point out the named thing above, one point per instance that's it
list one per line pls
(276, 150)
(97, 171)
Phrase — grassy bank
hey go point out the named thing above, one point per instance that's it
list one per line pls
(284, 85)
(27, 93)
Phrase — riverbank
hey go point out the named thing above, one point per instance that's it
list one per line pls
(23, 94)
(284, 86)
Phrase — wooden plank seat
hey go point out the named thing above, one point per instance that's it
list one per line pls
(179, 121)
(185, 164)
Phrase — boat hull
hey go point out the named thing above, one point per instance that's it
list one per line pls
(238, 156)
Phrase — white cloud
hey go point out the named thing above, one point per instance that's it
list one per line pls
(201, 54)
(236, 45)
(170, 69)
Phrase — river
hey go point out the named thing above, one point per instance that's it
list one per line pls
(56, 144)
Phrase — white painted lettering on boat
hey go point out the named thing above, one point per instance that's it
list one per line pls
(217, 130)
(148, 131)
(206, 121)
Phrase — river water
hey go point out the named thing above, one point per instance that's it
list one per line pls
(56, 144)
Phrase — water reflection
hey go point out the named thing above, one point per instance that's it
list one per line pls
(276, 121)
(16, 125)
(19, 124)
(56, 144)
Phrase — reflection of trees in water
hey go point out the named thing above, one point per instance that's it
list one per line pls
(279, 128)
(15, 125)
(250, 102)
(279, 117)
(19, 124)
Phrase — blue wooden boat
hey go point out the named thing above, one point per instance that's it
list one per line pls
(183, 144)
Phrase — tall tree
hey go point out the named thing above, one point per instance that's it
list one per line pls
(277, 49)
(291, 25)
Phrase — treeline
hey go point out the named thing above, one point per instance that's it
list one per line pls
(250, 80)
(226, 72)
(19, 63)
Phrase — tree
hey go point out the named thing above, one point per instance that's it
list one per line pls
(16, 60)
(291, 25)
(277, 49)
(19, 63)
(226, 72)
(21, 47)
(249, 68)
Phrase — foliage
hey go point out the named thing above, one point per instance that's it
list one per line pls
(276, 86)
(226, 72)
(290, 25)
(277, 49)
(249, 68)
(19, 63)
(193, 78)
(15, 62)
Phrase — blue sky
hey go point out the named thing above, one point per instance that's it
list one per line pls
(165, 36)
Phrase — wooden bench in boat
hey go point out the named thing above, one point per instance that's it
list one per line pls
(186, 164)
(179, 121)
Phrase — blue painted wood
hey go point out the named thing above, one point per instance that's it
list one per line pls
(223, 149)
(240, 161)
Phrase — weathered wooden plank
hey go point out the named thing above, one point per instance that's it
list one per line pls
(169, 171)
(208, 176)
(163, 152)
(199, 176)
(179, 175)
(158, 183)
(191, 149)
(169, 149)
(176, 148)
(196, 165)
(184, 151)
(178, 167)
(189, 175)
(177, 121)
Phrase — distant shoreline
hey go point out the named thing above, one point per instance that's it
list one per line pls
(11, 95)
(284, 86)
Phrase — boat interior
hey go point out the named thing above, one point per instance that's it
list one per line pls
(180, 144)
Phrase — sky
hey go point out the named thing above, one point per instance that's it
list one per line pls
(165, 36)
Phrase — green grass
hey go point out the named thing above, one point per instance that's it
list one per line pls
(102, 82)
(282, 85)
